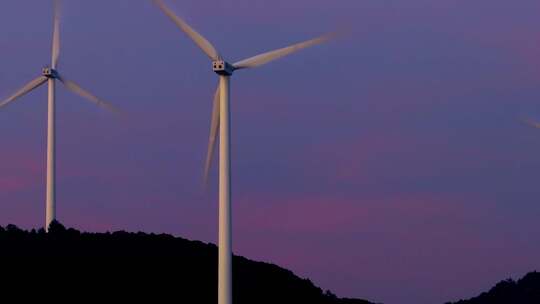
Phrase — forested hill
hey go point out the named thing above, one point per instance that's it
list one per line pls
(160, 267)
(524, 291)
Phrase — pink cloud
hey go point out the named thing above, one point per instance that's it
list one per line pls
(8, 184)
(355, 241)
(19, 171)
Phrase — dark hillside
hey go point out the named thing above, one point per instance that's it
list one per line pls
(135, 266)
(523, 291)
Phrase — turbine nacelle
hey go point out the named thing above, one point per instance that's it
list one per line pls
(222, 67)
(49, 72)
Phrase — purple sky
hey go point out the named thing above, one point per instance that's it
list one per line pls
(388, 165)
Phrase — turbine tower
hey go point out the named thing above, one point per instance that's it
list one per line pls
(49, 75)
(221, 121)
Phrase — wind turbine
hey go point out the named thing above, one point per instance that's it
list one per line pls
(49, 75)
(221, 121)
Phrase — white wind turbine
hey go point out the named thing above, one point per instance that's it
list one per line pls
(221, 121)
(50, 75)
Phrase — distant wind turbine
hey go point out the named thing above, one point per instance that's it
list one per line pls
(50, 75)
(221, 121)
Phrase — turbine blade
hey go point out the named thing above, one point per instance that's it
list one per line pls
(276, 54)
(24, 90)
(56, 35)
(75, 88)
(201, 42)
(214, 127)
(531, 123)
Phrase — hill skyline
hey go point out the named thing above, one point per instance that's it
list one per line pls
(166, 265)
(173, 267)
(525, 290)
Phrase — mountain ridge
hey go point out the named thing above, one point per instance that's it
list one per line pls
(137, 265)
(523, 291)
(146, 262)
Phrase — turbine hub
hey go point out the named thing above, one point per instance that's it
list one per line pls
(49, 72)
(222, 67)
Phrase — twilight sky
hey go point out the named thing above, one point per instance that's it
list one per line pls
(388, 165)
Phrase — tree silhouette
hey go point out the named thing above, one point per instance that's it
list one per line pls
(524, 291)
(158, 267)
